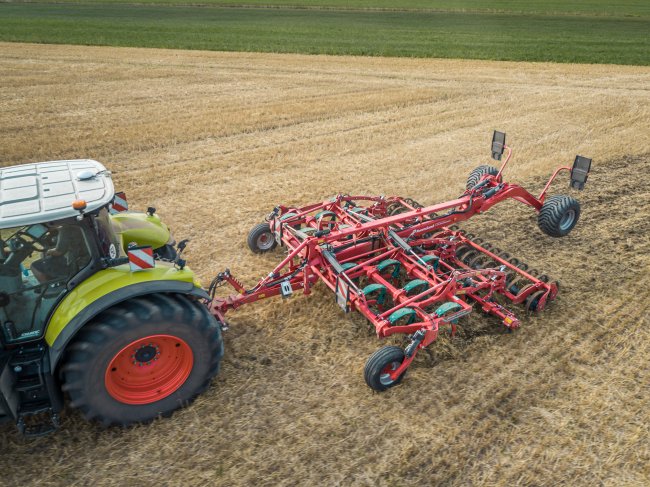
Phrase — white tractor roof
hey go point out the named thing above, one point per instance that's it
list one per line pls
(44, 191)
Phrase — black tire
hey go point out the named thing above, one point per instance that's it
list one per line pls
(374, 371)
(558, 216)
(166, 252)
(261, 239)
(91, 357)
(476, 175)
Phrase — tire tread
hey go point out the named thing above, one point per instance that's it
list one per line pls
(477, 173)
(552, 211)
(377, 361)
(254, 234)
(121, 317)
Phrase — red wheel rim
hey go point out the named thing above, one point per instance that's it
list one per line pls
(149, 369)
(385, 374)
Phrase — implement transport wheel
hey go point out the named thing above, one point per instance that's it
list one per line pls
(558, 216)
(477, 174)
(379, 366)
(142, 359)
(261, 239)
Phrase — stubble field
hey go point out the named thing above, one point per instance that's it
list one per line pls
(215, 140)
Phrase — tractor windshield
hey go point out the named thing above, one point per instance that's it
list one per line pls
(36, 262)
(109, 242)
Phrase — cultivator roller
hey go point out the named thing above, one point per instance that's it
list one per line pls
(407, 268)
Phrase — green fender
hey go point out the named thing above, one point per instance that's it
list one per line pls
(401, 313)
(324, 213)
(447, 307)
(414, 284)
(379, 289)
(385, 264)
(348, 265)
(142, 228)
(429, 258)
(107, 288)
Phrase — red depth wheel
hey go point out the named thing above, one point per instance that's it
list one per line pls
(149, 369)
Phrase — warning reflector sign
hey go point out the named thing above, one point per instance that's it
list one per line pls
(119, 203)
(140, 258)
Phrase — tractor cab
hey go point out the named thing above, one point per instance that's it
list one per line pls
(78, 271)
(55, 229)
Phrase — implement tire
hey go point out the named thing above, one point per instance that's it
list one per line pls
(477, 174)
(380, 364)
(142, 359)
(261, 239)
(558, 215)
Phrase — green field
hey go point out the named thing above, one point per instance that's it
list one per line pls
(592, 7)
(586, 32)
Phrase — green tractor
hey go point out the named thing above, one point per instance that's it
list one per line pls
(95, 303)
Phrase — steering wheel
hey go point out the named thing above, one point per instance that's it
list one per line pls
(17, 243)
(35, 243)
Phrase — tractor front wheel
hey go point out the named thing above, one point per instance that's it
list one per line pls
(380, 365)
(142, 359)
(261, 239)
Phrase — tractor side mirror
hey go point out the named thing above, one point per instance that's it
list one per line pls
(580, 172)
(498, 145)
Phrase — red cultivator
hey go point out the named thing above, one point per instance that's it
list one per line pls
(405, 267)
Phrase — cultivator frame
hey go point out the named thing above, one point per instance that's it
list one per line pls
(405, 267)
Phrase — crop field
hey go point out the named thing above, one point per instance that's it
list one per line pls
(215, 140)
(592, 31)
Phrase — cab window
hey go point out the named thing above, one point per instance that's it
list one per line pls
(109, 242)
(36, 262)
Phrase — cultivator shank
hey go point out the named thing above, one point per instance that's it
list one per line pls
(407, 268)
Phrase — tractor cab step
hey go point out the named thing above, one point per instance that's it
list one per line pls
(39, 420)
(37, 397)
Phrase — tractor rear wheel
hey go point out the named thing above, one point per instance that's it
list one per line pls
(558, 216)
(379, 366)
(475, 176)
(142, 359)
(261, 239)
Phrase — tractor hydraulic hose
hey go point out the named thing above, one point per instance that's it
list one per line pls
(493, 191)
(290, 276)
(479, 185)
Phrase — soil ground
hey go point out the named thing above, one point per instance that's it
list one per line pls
(215, 140)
